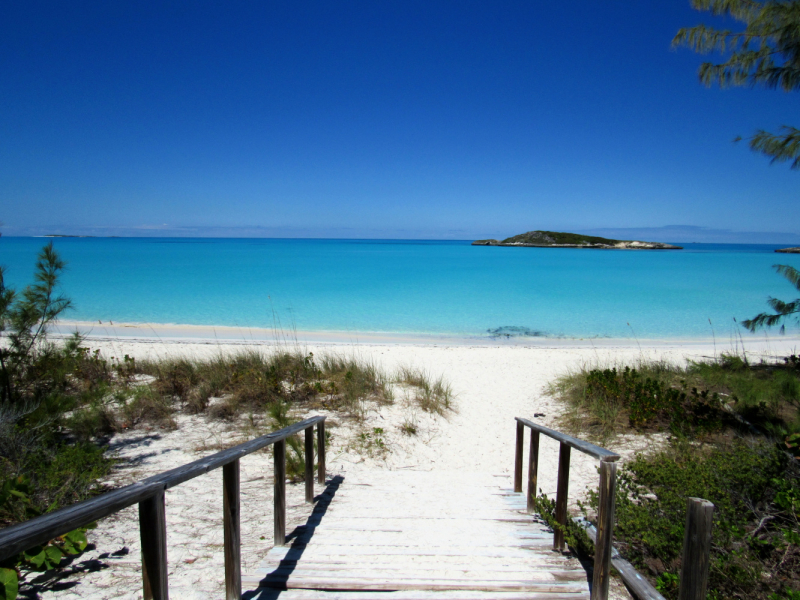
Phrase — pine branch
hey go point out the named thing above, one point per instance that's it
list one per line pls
(741, 10)
(766, 53)
(783, 310)
(791, 274)
(779, 147)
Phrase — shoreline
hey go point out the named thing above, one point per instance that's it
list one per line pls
(170, 333)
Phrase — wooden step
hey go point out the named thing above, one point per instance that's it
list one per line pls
(267, 594)
(445, 572)
(379, 584)
(412, 536)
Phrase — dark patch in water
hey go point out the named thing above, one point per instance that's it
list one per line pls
(509, 331)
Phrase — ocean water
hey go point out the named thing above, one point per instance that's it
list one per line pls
(410, 287)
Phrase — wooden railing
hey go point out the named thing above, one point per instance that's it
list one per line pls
(149, 494)
(697, 540)
(608, 483)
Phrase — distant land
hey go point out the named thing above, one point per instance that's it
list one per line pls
(556, 239)
(795, 250)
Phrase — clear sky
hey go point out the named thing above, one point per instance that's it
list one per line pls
(433, 119)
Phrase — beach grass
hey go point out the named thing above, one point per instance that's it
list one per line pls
(432, 394)
(255, 391)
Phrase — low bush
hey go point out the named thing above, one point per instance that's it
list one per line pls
(733, 439)
(701, 398)
(649, 403)
(755, 488)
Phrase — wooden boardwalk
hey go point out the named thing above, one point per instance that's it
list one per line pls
(411, 535)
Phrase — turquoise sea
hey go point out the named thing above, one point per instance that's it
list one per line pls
(408, 287)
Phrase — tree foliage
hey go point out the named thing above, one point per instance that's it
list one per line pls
(783, 310)
(24, 319)
(766, 53)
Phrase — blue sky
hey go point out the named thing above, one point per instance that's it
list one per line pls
(429, 119)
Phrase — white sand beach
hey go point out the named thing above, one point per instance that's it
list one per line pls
(493, 383)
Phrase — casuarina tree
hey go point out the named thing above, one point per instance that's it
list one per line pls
(763, 51)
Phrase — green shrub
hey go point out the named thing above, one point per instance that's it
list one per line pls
(574, 535)
(756, 491)
(766, 394)
(651, 404)
(15, 496)
(702, 398)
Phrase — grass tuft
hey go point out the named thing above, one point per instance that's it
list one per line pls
(431, 394)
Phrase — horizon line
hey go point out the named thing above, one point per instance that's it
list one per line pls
(365, 239)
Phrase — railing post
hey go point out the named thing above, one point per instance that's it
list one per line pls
(518, 457)
(153, 533)
(279, 454)
(605, 530)
(232, 530)
(309, 433)
(696, 550)
(561, 496)
(533, 469)
(321, 452)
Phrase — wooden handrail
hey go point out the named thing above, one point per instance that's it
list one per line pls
(608, 482)
(583, 446)
(149, 494)
(694, 570)
(637, 584)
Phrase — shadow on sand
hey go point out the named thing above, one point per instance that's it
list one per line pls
(275, 582)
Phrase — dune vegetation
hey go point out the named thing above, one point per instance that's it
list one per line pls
(733, 437)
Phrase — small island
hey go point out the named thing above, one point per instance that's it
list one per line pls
(794, 250)
(555, 239)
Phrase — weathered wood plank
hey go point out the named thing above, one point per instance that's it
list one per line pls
(518, 457)
(16, 538)
(279, 495)
(605, 530)
(312, 552)
(461, 546)
(302, 594)
(332, 583)
(497, 571)
(421, 537)
(573, 442)
(405, 532)
(562, 496)
(153, 534)
(232, 536)
(465, 576)
(533, 471)
(637, 584)
(696, 549)
(530, 560)
(321, 452)
(309, 473)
